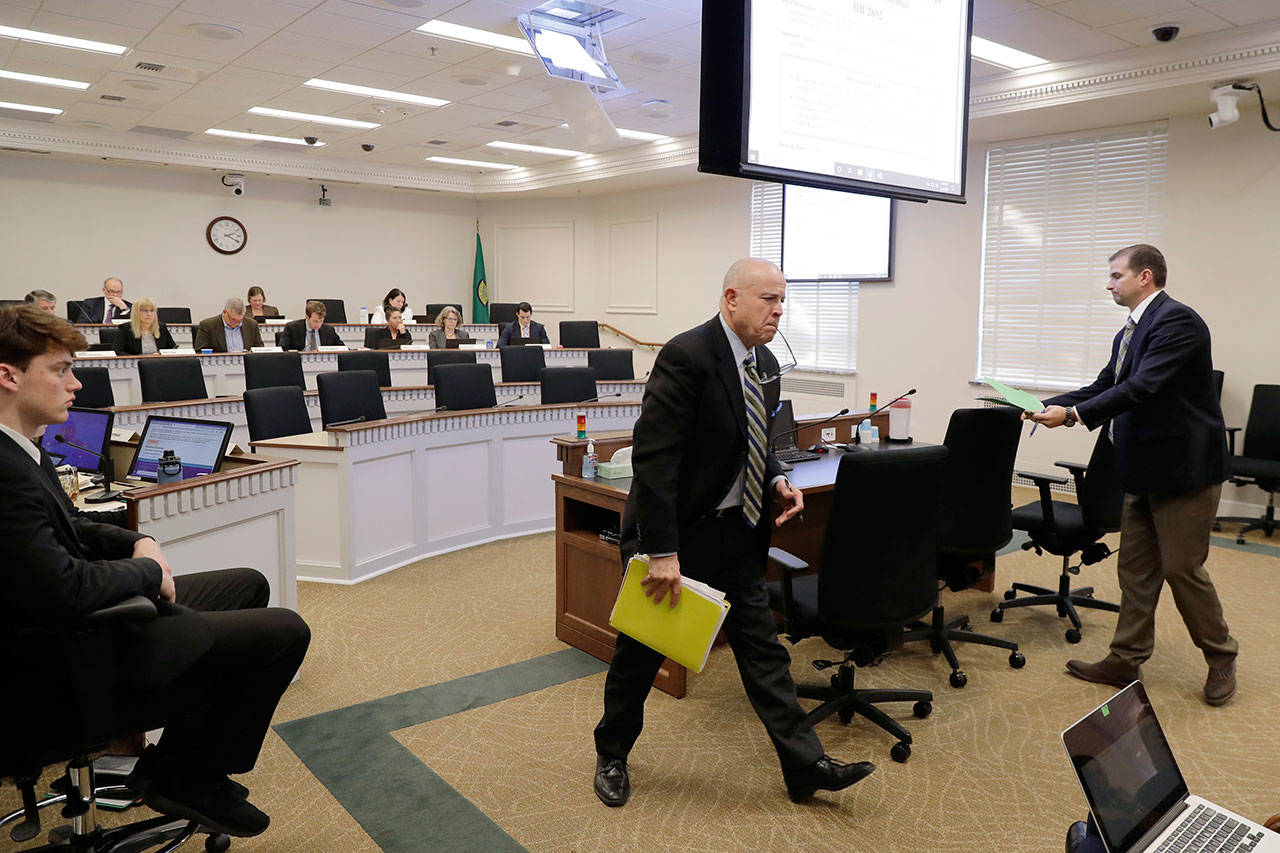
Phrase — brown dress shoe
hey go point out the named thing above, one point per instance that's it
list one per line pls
(1220, 686)
(1110, 670)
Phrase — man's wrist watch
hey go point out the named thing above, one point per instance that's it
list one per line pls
(1070, 419)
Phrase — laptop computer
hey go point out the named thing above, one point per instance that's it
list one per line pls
(453, 343)
(782, 437)
(1137, 794)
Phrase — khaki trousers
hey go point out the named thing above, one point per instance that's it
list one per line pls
(1166, 538)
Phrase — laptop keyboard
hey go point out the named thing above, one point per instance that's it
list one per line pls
(796, 455)
(1206, 830)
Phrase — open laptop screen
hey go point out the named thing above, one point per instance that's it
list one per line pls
(199, 444)
(1125, 767)
(782, 436)
(90, 428)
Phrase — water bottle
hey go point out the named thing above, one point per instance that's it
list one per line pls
(590, 461)
(865, 432)
(364, 314)
(168, 469)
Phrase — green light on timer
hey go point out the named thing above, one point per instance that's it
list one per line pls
(1106, 711)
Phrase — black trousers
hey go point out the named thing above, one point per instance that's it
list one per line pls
(217, 712)
(729, 556)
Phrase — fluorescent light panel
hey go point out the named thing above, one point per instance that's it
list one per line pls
(994, 53)
(43, 81)
(536, 149)
(62, 41)
(479, 164)
(638, 135)
(471, 35)
(28, 108)
(337, 122)
(370, 92)
(259, 137)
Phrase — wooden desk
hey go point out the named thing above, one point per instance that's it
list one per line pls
(352, 334)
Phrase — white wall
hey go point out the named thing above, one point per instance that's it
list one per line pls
(65, 226)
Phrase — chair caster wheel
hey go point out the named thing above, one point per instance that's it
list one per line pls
(1216, 527)
(900, 752)
(1240, 540)
(217, 843)
(997, 615)
(922, 709)
(846, 717)
(1073, 636)
(1017, 660)
(958, 679)
(1010, 594)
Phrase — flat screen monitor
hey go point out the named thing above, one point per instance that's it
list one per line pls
(869, 97)
(199, 444)
(89, 428)
(836, 236)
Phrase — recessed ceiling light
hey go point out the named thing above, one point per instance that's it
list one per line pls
(535, 149)
(641, 135)
(471, 35)
(369, 91)
(143, 85)
(316, 119)
(470, 80)
(28, 108)
(215, 32)
(62, 41)
(259, 137)
(1002, 56)
(479, 164)
(653, 58)
(43, 81)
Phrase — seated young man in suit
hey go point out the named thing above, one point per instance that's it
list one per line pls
(524, 327)
(311, 332)
(230, 331)
(214, 663)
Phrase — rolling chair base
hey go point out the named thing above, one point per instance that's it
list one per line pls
(941, 634)
(1065, 599)
(1267, 524)
(842, 698)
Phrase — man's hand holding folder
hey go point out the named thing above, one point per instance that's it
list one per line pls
(683, 631)
(663, 578)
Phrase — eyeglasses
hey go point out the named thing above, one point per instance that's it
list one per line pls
(785, 364)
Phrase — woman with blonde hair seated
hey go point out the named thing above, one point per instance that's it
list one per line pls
(144, 334)
(447, 324)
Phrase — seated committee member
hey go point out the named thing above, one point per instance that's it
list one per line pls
(42, 299)
(396, 299)
(524, 327)
(257, 304)
(395, 335)
(447, 324)
(311, 332)
(214, 663)
(108, 307)
(144, 334)
(231, 331)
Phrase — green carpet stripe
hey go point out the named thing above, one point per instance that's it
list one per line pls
(1262, 549)
(401, 802)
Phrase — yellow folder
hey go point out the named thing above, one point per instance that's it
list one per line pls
(683, 633)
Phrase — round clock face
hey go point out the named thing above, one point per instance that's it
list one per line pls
(226, 235)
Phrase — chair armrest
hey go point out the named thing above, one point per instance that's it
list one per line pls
(788, 564)
(1231, 438)
(1041, 479)
(1073, 467)
(787, 561)
(136, 609)
(1046, 499)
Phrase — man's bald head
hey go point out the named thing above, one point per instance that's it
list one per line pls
(749, 272)
(751, 302)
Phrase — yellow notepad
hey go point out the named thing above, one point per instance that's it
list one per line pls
(683, 633)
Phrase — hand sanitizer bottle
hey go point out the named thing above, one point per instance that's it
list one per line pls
(590, 461)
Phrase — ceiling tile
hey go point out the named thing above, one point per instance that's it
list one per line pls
(1192, 21)
(1103, 13)
(16, 16)
(309, 47)
(337, 28)
(1242, 12)
(116, 117)
(272, 16)
(486, 15)
(435, 48)
(1053, 37)
(387, 61)
(86, 28)
(985, 10)
(39, 96)
(74, 58)
(378, 13)
(261, 59)
(124, 12)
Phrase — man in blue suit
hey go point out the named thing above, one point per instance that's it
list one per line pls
(1157, 400)
(524, 327)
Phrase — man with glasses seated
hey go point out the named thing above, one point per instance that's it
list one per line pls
(699, 505)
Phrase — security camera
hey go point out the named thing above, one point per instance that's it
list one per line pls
(235, 182)
(1225, 98)
(366, 146)
(311, 140)
(1165, 32)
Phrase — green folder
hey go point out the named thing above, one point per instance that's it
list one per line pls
(683, 633)
(1024, 400)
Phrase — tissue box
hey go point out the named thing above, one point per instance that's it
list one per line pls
(614, 470)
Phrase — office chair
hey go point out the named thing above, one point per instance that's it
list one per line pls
(464, 386)
(433, 309)
(168, 379)
(96, 393)
(75, 312)
(1064, 529)
(276, 411)
(502, 312)
(350, 396)
(437, 357)
(1259, 462)
(68, 710)
(580, 334)
(107, 337)
(522, 364)
(877, 576)
(335, 310)
(371, 336)
(612, 364)
(973, 523)
(174, 316)
(271, 369)
(568, 384)
(378, 362)
(1219, 377)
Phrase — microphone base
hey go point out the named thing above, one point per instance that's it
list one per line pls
(104, 497)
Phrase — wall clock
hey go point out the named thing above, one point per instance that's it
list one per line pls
(226, 235)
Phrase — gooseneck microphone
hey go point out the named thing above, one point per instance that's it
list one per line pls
(857, 440)
(515, 399)
(105, 469)
(597, 398)
(347, 422)
(774, 442)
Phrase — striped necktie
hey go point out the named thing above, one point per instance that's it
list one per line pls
(311, 340)
(753, 476)
(1120, 354)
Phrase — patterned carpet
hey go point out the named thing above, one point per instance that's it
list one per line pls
(443, 715)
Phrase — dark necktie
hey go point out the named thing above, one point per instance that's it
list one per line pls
(1120, 354)
(753, 476)
(311, 340)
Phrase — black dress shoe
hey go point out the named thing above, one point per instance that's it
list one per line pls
(825, 775)
(1076, 834)
(174, 789)
(612, 784)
